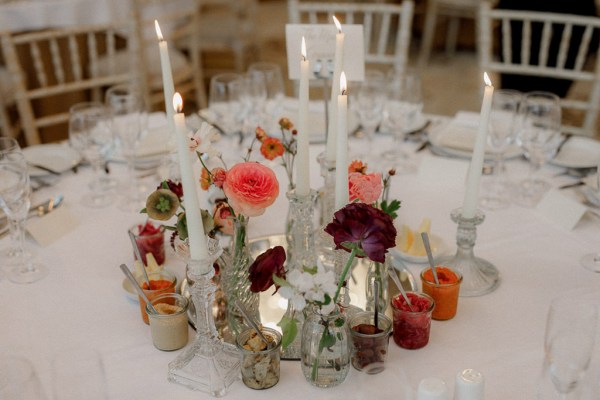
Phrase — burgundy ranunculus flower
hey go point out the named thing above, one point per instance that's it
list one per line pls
(262, 269)
(371, 229)
(176, 188)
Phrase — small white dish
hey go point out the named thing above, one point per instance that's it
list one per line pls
(57, 157)
(438, 247)
(578, 152)
(130, 292)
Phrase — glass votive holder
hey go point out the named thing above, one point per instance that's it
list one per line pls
(369, 344)
(260, 363)
(445, 294)
(149, 239)
(160, 283)
(411, 328)
(169, 328)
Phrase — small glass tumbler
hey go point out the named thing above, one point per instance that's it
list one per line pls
(369, 345)
(169, 328)
(445, 294)
(411, 328)
(260, 363)
(149, 239)
(160, 283)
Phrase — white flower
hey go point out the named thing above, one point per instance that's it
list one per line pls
(202, 139)
(294, 296)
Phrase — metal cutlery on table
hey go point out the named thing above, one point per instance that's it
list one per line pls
(37, 210)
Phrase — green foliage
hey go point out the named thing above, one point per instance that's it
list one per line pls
(289, 327)
(391, 208)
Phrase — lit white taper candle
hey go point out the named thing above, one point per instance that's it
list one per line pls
(167, 75)
(341, 161)
(302, 164)
(338, 65)
(196, 236)
(474, 174)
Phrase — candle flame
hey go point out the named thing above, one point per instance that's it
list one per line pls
(177, 102)
(303, 50)
(343, 85)
(158, 31)
(486, 79)
(337, 24)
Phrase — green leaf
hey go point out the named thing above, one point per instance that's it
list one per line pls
(311, 270)
(164, 185)
(279, 281)
(143, 211)
(339, 322)
(327, 340)
(289, 327)
(391, 207)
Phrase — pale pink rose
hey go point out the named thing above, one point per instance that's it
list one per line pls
(223, 218)
(219, 176)
(250, 188)
(366, 188)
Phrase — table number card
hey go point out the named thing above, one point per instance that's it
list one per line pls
(320, 48)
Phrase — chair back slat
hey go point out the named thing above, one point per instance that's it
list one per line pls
(383, 34)
(564, 43)
(40, 73)
(57, 63)
(74, 54)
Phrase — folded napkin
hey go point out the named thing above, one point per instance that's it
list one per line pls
(460, 133)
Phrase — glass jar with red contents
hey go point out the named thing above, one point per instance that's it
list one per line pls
(150, 239)
(412, 326)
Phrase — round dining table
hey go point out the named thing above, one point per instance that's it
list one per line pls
(82, 307)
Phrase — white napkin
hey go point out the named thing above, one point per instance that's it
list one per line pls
(560, 209)
(52, 226)
(460, 133)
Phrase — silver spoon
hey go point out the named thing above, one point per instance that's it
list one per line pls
(394, 277)
(376, 294)
(430, 256)
(136, 249)
(137, 287)
(252, 322)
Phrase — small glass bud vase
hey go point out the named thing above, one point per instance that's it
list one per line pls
(343, 301)
(208, 364)
(479, 276)
(325, 247)
(378, 272)
(301, 253)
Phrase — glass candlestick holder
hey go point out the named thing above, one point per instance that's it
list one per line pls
(301, 253)
(207, 365)
(479, 276)
(325, 245)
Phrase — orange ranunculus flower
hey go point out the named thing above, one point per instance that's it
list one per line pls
(250, 188)
(357, 166)
(205, 179)
(260, 134)
(218, 176)
(272, 148)
(285, 123)
(366, 188)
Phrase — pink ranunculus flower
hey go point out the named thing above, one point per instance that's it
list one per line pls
(250, 187)
(219, 176)
(223, 218)
(366, 188)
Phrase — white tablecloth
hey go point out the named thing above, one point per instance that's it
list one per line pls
(81, 304)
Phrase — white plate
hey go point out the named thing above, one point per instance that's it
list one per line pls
(438, 247)
(456, 140)
(578, 152)
(57, 157)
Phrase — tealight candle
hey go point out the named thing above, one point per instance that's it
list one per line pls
(338, 65)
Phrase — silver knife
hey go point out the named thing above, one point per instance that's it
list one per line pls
(36, 210)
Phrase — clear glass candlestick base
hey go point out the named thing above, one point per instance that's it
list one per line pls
(479, 276)
(207, 365)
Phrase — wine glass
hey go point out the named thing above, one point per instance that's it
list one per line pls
(502, 132)
(568, 345)
(224, 100)
(128, 122)
(90, 135)
(275, 90)
(368, 104)
(253, 97)
(403, 111)
(15, 201)
(539, 136)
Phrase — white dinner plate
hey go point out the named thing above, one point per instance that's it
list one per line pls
(438, 247)
(57, 157)
(578, 152)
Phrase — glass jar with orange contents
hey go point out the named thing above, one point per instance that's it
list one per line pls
(160, 283)
(445, 294)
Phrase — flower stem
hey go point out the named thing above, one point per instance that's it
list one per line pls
(344, 274)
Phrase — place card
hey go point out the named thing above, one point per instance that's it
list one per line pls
(52, 226)
(320, 48)
(560, 209)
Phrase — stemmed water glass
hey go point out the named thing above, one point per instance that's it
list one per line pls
(128, 122)
(253, 97)
(91, 136)
(402, 113)
(275, 90)
(502, 131)
(368, 105)
(225, 101)
(15, 201)
(539, 136)
(568, 345)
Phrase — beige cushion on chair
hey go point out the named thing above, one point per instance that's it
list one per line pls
(179, 65)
